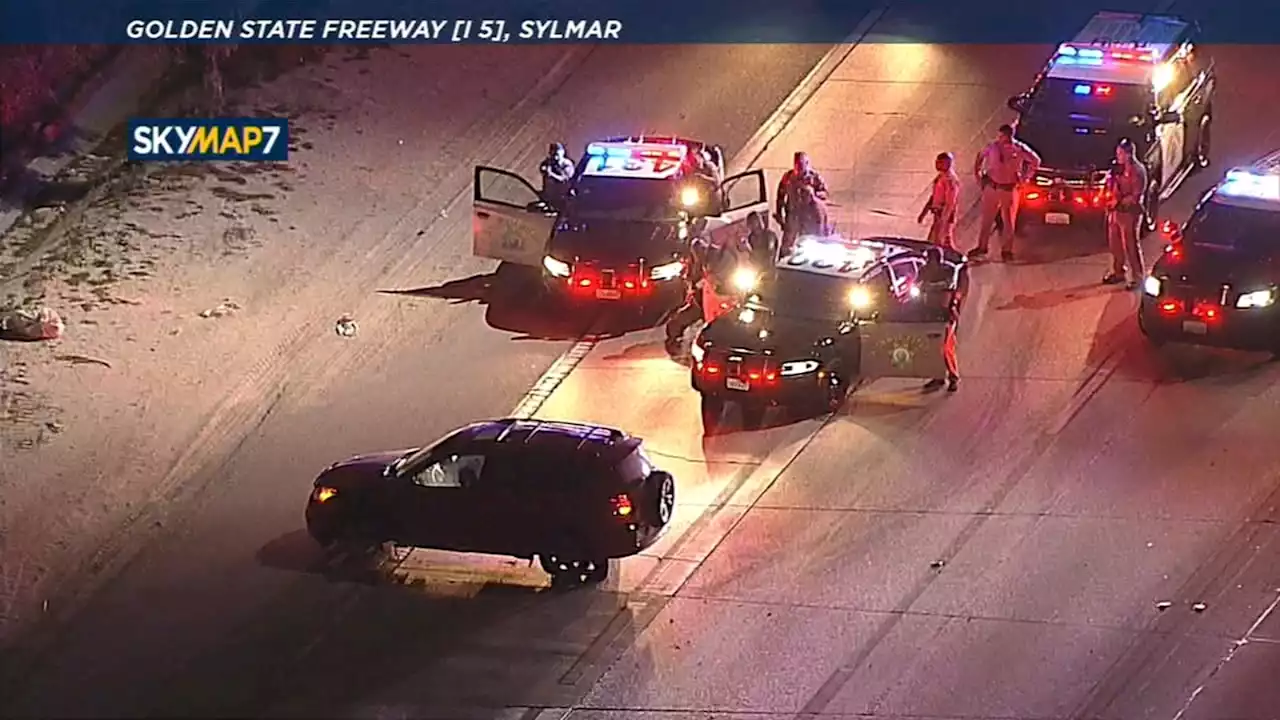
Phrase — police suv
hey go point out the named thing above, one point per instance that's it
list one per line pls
(1143, 77)
(1217, 280)
(799, 341)
(624, 231)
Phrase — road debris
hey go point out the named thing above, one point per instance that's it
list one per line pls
(1165, 605)
(28, 326)
(82, 360)
(1199, 607)
(346, 326)
(938, 564)
(222, 309)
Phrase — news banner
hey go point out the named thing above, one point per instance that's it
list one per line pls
(421, 30)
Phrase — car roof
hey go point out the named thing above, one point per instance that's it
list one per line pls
(1119, 48)
(1255, 186)
(548, 438)
(860, 254)
(657, 157)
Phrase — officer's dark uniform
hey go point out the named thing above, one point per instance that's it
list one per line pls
(942, 291)
(709, 265)
(557, 171)
(763, 242)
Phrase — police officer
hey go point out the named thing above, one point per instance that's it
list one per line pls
(706, 171)
(801, 175)
(763, 242)
(1000, 168)
(1126, 190)
(700, 251)
(943, 202)
(942, 290)
(556, 170)
(807, 217)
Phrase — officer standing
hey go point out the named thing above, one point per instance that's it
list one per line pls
(702, 257)
(707, 172)
(1126, 191)
(762, 240)
(557, 171)
(1000, 168)
(801, 175)
(943, 202)
(942, 290)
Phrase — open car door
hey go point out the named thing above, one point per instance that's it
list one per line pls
(744, 194)
(511, 223)
(902, 350)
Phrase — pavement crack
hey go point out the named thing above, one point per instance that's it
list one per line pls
(706, 460)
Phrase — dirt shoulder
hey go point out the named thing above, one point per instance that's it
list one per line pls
(192, 293)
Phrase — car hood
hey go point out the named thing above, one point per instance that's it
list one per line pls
(361, 468)
(783, 337)
(616, 242)
(1212, 267)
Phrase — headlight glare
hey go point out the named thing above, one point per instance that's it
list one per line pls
(670, 271)
(1256, 299)
(697, 352)
(798, 367)
(557, 268)
(860, 298)
(690, 197)
(745, 280)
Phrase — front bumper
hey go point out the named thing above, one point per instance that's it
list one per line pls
(1252, 329)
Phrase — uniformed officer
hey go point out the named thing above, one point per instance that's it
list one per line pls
(801, 175)
(763, 242)
(1000, 168)
(943, 202)
(1126, 190)
(556, 170)
(707, 263)
(942, 289)
(706, 171)
(807, 217)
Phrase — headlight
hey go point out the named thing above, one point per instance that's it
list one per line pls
(1256, 299)
(914, 291)
(697, 352)
(670, 271)
(558, 268)
(798, 367)
(690, 197)
(860, 298)
(1152, 285)
(745, 279)
(324, 494)
(746, 317)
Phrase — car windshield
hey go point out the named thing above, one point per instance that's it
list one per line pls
(1249, 231)
(623, 199)
(1072, 131)
(810, 296)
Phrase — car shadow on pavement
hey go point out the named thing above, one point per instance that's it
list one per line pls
(327, 649)
(23, 189)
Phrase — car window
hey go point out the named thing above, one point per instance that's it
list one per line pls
(904, 271)
(454, 471)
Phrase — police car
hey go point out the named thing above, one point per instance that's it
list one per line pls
(1143, 77)
(1216, 282)
(798, 342)
(623, 233)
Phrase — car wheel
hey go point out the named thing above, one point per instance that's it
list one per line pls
(753, 414)
(712, 411)
(664, 499)
(1204, 142)
(1150, 218)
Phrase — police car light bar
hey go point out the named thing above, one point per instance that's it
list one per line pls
(1094, 90)
(1099, 54)
(1246, 184)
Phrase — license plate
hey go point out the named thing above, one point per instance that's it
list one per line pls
(1057, 218)
(609, 294)
(1195, 327)
(736, 384)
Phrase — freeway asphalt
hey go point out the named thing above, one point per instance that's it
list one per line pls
(999, 553)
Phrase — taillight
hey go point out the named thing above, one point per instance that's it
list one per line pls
(584, 282)
(1033, 195)
(1170, 307)
(1173, 250)
(621, 505)
(712, 369)
(324, 494)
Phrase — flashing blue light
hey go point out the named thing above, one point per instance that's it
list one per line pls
(595, 150)
(1089, 53)
(1245, 184)
(1082, 131)
(1083, 89)
(1066, 50)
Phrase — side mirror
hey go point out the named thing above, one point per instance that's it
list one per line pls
(1168, 117)
(1018, 103)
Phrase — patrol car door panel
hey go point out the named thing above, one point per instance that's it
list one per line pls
(744, 194)
(510, 223)
(902, 350)
(1172, 139)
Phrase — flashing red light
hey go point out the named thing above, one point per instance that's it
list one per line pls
(1168, 228)
(770, 377)
(1103, 90)
(1173, 250)
(629, 285)
(621, 505)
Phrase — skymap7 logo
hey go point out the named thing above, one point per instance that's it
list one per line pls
(226, 139)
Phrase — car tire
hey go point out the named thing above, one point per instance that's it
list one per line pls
(1151, 217)
(752, 414)
(662, 499)
(1204, 140)
(712, 412)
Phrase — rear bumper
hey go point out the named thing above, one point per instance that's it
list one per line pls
(783, 391)
(1255, 329)
(629, 292)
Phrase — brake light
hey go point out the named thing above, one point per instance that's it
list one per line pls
(1174, 251)
(324, 494)
(770, 376)
(584, 282)
(621, 505)
(1033, 195)
(712, 369)
(1169, 307)
(1208, 312)
(629, 285)
(1168, 228)
(1081, 200)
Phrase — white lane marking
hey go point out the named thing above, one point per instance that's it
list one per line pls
(1235, 647)
(755, 146)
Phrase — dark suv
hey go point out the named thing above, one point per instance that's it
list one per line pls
(1143, 77)
(572, 495)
